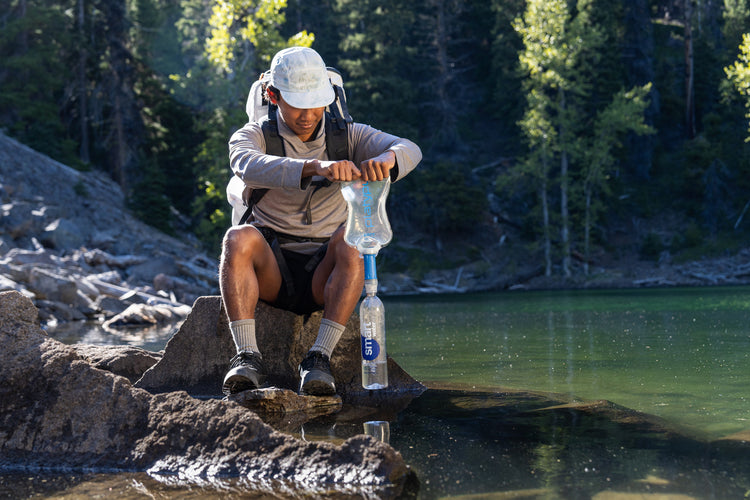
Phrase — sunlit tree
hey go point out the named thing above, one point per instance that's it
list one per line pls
(246, 30)
(625, 113)
(739, 74)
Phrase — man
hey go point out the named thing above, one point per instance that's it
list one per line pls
(302, 216)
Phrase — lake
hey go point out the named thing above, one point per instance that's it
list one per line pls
(503, 370)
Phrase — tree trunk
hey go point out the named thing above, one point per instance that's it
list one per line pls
(564, 218)
(83, 111)
(689, 72)
(638, 55)
(587, 231)
(546, 230)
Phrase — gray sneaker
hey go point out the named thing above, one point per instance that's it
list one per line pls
(246, 372)
(315, 375)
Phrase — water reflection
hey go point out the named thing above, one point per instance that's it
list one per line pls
(379, 429)
(681, 354)
(151, 338)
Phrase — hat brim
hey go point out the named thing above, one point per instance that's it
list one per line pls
(311, 99)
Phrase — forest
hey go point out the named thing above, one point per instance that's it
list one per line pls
(553, 127)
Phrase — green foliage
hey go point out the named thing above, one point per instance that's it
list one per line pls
(651, 247)
(736, 15)
(150, 91)
(33, 75)
(147, 201)
(210, 207)
(449, 203)
(739, 73)
(378, 61)
(241, 29)
(80, 189)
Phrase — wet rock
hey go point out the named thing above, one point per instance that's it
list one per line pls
(59, 412)
(197, 357)
(275, 400)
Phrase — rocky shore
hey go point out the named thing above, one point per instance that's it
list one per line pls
(73, 408)
(68, 243)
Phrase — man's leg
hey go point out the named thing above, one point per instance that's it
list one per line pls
(337, 285)
(247, 272)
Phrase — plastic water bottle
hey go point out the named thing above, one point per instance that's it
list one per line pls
(372, 331)
(367, 226)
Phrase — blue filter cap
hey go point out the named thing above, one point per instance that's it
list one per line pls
(370, 271)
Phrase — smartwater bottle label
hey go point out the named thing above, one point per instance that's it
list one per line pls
(370, 348)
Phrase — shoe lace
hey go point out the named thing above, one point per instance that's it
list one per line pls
(247, 358)
(316, 360)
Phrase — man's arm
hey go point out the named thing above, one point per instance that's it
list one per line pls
(382, 154)
(249, 161)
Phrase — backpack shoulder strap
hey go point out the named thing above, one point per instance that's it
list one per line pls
(270, 127)
(274, 146)
(337, 138)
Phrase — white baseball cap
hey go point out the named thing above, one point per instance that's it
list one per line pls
(301, 76)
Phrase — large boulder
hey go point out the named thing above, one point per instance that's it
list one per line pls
(197, 357)
(59, 412)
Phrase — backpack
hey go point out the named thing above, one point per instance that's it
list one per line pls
(242, 197)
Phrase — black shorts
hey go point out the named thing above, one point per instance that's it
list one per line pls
(297, 271)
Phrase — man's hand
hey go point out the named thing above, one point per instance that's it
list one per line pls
(374, 169)
(343, 170)
(378, 168)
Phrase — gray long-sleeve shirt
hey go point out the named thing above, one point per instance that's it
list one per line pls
(284, 206)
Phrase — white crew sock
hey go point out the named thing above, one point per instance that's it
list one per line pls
(328, 336)
(243, 333)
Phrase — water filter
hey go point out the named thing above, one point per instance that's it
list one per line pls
(368, 230)
(367, 226)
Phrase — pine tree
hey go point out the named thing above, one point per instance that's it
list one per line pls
(562, 48)
(34, 39)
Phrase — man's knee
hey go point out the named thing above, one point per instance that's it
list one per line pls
(243, 238)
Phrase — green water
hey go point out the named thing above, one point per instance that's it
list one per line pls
(681, 354)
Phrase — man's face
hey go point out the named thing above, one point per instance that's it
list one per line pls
(302, 121)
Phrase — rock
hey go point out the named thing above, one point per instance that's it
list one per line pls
(137, 315)
(59, 413)
(147, 270)
(98, 257)
(127, 361)
(18, 221)
(110, 306)
(8, 284)
(62, 233)
(53, 311)
(197, 357)
(48, 285)
(275, 400)
(16, 312)
(20, 256)
(43, 200)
